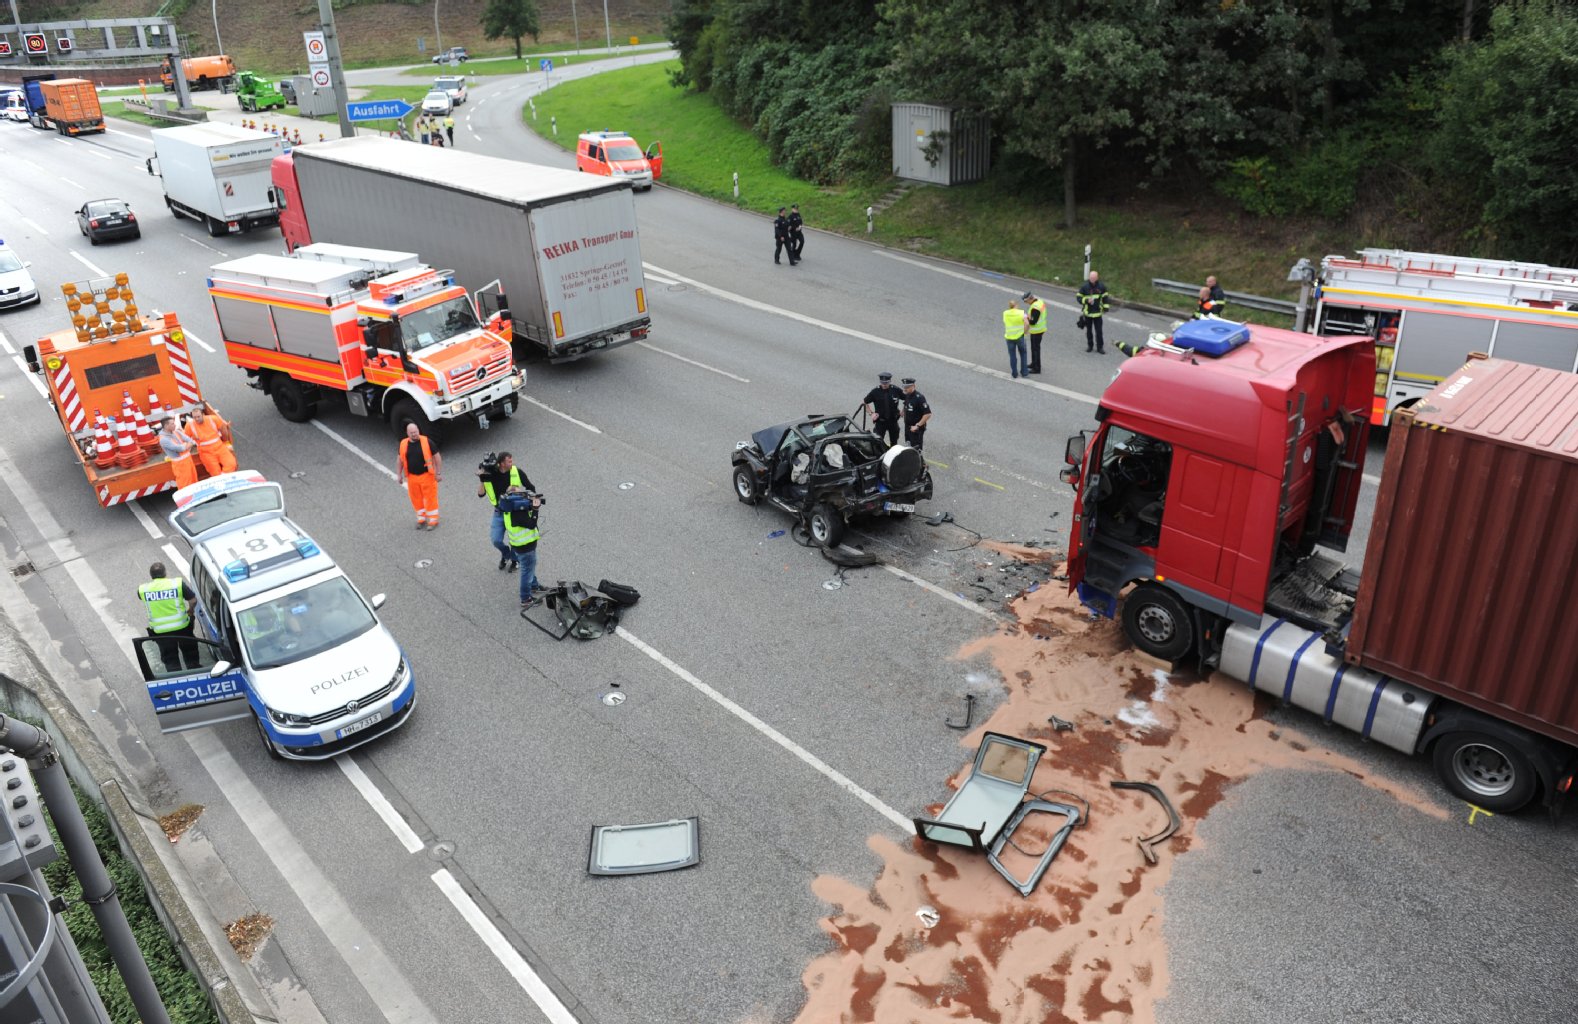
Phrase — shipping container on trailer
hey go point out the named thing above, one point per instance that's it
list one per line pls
(1426, 313)
(563, 246)
(71, 106)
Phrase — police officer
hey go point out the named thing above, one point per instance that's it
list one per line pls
(169, 603)
(1093, 303)
(796, 235)
(1036, 322)
(781, 237)
(917, 413)
(884, 403)
(492, 486)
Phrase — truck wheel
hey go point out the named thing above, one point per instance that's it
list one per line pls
(1158, 623)
(826, 525)
(216, 228)
(268, 744)
(175, 211)
(290, 398)
(1487, 771)
(745, 484)
(406, 411)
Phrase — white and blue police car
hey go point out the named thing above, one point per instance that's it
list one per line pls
(281, 635)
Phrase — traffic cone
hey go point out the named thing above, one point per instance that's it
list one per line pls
(146, 439)
(127, 454)
(156, 411)
(103, 447)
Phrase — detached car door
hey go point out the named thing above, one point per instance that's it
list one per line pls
(182, 686)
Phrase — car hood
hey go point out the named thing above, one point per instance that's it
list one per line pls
(326, 681)
(17, 279)
(631, 166)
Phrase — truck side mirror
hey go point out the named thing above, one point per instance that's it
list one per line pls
(1074, 449)
(30, 355)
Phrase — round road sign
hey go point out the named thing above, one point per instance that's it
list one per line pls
(320, 78)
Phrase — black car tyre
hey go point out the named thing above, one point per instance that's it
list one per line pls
(745, 484)
(216, 228)
(406, 411)
(290, 398)
(1157, 622)
(1485, 770)
(92, 240)
(826, 526)
(268, 744)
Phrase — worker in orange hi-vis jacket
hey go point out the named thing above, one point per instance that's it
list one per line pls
(178, 449)
(212, 435)
(420, 468)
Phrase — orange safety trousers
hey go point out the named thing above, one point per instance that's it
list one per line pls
(217, 456)
(185, 470)
(423, 489)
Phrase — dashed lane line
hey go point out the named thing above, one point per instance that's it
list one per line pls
(199, 342)
(500, 947)
(685, 359)
(35, 225)
(940, 592)
(83, 259)
(563, 415)
(380, 804)
(142, 516)
(205, 245)
(988, 483)
(348, 446)
(32, 378)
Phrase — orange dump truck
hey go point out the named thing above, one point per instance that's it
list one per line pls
(71, 106)
(201, 72)
(111, 378)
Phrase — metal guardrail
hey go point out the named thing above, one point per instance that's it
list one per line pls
(1237, 298)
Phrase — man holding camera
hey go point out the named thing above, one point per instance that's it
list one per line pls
(496, 474)
(519, 510)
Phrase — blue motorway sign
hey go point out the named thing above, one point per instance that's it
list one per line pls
(545, 64)
(378, 110)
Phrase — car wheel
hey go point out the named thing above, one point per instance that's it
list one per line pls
(268, 744)
(1158, 623)
(1485, 770)
(137, 233)
(745, 484)
(92, 240)
(216, 228)
(405, 411)
(290, 398)
(826, 526)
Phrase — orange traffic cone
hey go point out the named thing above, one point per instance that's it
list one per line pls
(146, 439)
(103, 447)
(127, 454)
(156, 411)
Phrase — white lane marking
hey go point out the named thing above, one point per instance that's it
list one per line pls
(841, 780)
(1372, 479)
(499, 946)
(379, 466)
(35, 225)
(96, 153)
(205, 346)
(660, 280)
(976, 279)
(850, 332)
(384, 983)
(66, 179)
(84, 260)
(683, 359)
(145, 519)
(1001, 471)
(176, 558)
(380, 804)
(32, 377)
(205, 245)
(940, 592)
(5, 343)
(562, 415)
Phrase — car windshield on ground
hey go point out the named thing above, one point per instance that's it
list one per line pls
(9, 262)
(303, 624)
(437, 324)
(621, 150)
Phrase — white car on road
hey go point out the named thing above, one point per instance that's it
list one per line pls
(16, 284)
(437, 102)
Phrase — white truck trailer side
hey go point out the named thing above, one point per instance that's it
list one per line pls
(217, 174)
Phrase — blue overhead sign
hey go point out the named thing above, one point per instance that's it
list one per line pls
(378, 110)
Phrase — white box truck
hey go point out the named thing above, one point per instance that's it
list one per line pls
(563, 247)
(217, 174)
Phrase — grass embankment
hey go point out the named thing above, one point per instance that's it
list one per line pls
(117, 109)
(987, 224)
(528, 63)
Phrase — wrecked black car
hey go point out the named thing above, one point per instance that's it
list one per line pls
(825, 471)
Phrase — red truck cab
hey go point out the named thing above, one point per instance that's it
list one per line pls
(1210, 476)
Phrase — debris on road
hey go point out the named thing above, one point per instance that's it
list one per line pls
(1148, 844)
(247, 934)
(969, 714)
(645, 849)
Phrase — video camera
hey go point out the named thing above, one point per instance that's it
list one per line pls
(489, 464)
(512, 503)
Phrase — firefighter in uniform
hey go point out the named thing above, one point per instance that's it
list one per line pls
(212, 435)
(1093, 303)
(1036, 323)
(917, 413)
(168, 600)
(420, 469)
(884, 402)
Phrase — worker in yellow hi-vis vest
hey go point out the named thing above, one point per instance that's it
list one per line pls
(1014, 335)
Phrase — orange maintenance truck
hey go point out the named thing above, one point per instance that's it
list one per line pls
(71, 106)
(111, 379)
(201, 72)
(397, 338)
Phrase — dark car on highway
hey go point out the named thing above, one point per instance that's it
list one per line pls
(827, 470)
(107, 218)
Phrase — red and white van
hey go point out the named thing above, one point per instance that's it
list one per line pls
(617, 155)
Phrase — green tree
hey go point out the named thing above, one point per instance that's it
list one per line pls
(1507, 133)
(511, 19)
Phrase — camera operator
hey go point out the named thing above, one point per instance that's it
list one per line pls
(519, 510)
(496, 474)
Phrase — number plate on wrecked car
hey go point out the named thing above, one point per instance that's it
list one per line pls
(895, 506)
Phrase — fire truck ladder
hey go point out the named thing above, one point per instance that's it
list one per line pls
(1503, 282)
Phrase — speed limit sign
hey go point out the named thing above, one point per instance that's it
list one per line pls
(320, 76)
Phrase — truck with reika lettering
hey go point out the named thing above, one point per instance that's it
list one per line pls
(563, 249)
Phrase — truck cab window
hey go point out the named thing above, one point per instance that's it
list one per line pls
(1132, 490)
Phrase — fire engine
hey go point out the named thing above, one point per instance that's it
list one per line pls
(1426, 313)
(399, 339)
(111, 379)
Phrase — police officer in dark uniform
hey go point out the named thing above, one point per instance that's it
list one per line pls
(917, 413)
(796, 235)
(884, 402)
(781, 237)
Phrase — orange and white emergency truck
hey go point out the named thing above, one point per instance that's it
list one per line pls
(397, 338)
(111, 379)
(1427, 312)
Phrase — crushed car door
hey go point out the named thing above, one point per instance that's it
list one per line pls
(182, 686)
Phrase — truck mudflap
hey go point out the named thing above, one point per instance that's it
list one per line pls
(1292, 664)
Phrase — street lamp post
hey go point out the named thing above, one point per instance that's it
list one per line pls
(606, 29)
(219, 44)
(436, 30)
(573, 20)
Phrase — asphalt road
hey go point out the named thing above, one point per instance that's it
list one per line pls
(512, 756)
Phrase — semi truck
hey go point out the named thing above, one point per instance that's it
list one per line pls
(1427, 312)
(395, 337)
(113, 368)
(565, 249)
(217, 174)
(1227, 459)
(71, 106)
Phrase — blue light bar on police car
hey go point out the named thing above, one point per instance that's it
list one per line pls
(237, 571)
(306, 547)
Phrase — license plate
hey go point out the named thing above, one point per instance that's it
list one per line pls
(368, 722)
(894, 506)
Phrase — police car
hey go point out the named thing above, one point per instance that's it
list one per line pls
(283, 637)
